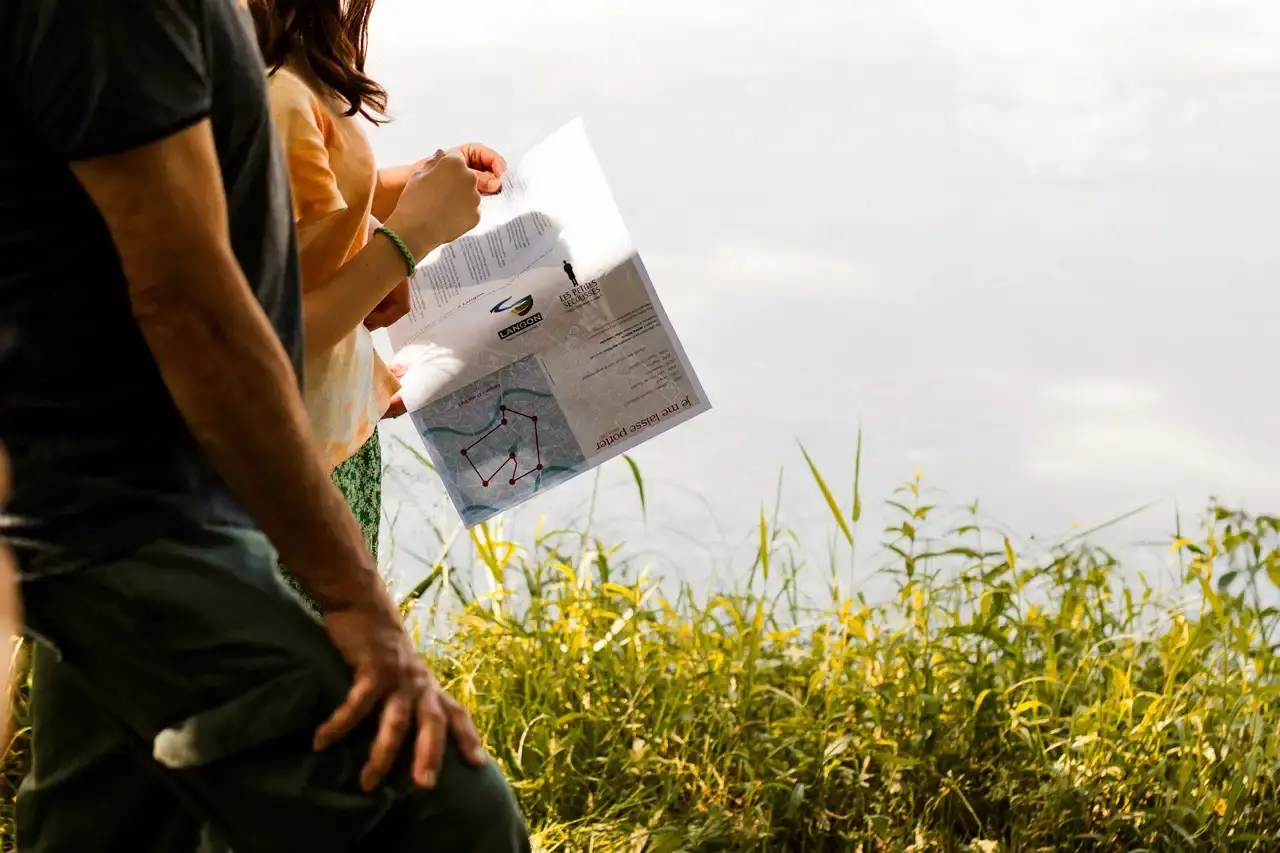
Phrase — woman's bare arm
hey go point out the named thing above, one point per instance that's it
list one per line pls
(487, 165)
(341, 303)
(439, 203)
(387, 189)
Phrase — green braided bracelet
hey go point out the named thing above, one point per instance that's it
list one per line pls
(410, 264)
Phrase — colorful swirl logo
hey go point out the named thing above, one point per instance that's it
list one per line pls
(519, 307)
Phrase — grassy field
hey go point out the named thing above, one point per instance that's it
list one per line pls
(1006, 698)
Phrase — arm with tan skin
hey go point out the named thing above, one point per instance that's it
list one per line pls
(387, 188)
(229, 376)
(220, 359)
(487, 165)
(10, 609)
(437, 204)
(424, 211)
(347, 298)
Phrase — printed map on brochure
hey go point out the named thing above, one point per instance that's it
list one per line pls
(536, 347)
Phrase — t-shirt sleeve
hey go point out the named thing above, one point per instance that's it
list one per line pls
(298, 118)
(93, 78)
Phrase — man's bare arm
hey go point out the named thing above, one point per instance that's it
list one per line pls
(165, 206)
(10, 612)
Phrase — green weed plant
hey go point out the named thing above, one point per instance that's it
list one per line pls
(1006, 697)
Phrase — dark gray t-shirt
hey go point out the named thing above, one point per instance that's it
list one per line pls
(102, 461)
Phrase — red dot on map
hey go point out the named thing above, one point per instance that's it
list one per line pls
(484, 483)
(534, 419)
(539, 468)
(512, 481)
(464, 451)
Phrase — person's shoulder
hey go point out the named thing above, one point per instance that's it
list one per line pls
(293, 99)
(287, 86)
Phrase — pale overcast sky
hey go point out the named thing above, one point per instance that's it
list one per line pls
(1028, 244)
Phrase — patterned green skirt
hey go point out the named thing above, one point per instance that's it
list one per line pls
(360, 479)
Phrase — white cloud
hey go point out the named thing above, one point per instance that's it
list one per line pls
(694, 283)
(1078, 89)
(1102, 394)
(1091, 86)
(1141, 450)
(1116, 430)
(726, 37)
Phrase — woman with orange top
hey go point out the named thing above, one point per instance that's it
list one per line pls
(354, 268)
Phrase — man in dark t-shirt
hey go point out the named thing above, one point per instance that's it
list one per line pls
(160, 450)
(104, 461)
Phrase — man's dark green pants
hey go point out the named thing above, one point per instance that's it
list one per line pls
(175, 695)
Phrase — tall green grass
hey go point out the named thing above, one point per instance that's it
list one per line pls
(1006, 697)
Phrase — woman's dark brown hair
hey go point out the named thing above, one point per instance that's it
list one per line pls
(332, 36)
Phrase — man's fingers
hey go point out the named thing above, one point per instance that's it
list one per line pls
(429, 749)
(359, 701)
(464, 730)
(394, 724)
(396, 408)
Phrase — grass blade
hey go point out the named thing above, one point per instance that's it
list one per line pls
(764, 544)
(830, 498)
(857, 480)
(417, 454)
(639, 481)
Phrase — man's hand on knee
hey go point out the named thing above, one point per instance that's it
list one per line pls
(389, 671)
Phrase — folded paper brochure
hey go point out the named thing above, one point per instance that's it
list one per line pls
(536, 348)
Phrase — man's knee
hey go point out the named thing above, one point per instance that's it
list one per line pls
(472, 810)
(492, 811)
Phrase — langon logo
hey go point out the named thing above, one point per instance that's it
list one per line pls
(520, 307)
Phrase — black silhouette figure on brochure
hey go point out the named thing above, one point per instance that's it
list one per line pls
(568, 270)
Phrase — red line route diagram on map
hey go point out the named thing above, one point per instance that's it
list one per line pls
(511, 459)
